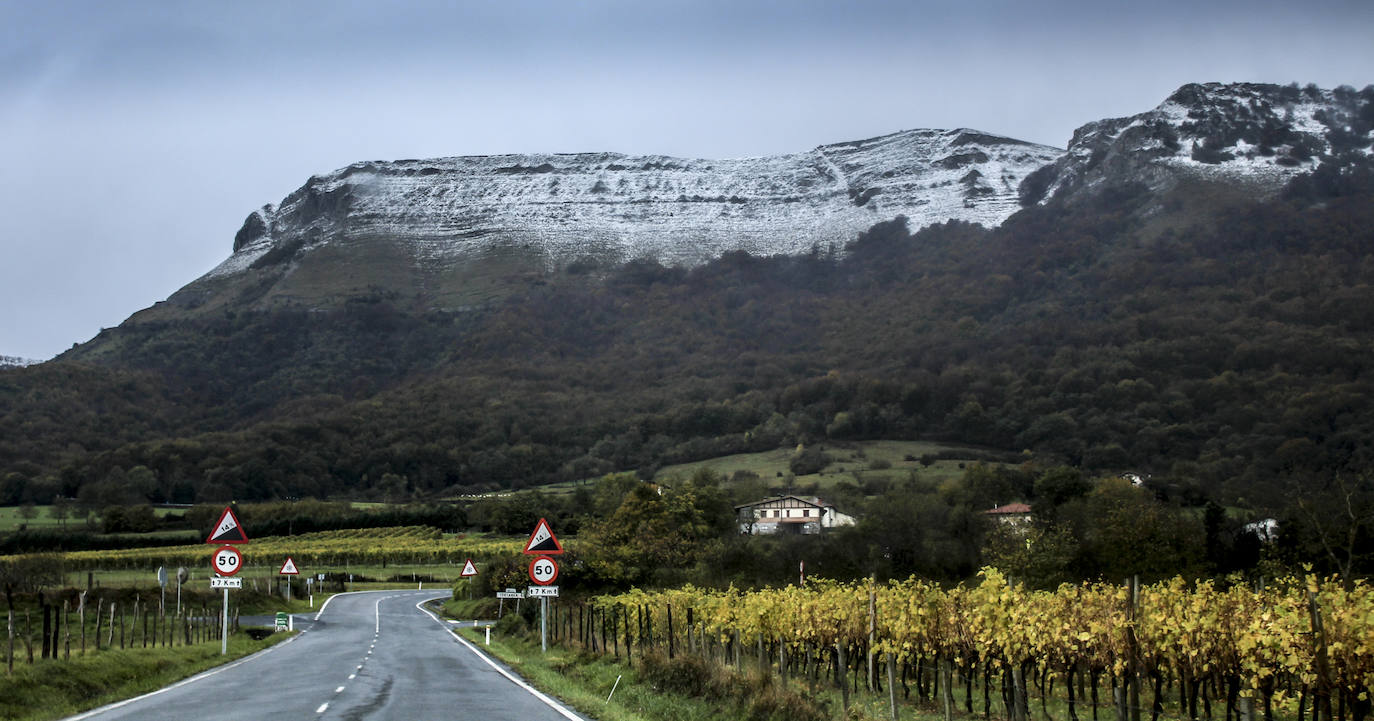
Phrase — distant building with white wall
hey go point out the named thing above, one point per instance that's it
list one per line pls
(789, 514)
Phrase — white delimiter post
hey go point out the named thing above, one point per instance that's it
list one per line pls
(224, 629)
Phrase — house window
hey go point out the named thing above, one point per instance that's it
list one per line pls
(806, 513)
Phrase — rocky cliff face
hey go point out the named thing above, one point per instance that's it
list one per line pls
(1254, 134)
(616, 207)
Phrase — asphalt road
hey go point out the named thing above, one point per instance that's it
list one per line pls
(368, 655)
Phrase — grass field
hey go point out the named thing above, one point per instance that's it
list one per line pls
(881, 459)
(898, 458)
(11, 518)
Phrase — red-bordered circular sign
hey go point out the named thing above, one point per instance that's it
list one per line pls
(543, 570)
(227, 561)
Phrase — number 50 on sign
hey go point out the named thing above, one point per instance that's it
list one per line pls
(543, 570)
(228, 561)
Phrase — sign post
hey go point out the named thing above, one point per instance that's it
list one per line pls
(469, 571)
(227, 562)
(501, 597)
(289, 569)
(182, 575)
(543, 571)
(162, 581)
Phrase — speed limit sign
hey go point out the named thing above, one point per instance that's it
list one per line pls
(228, 561)
(543, 570)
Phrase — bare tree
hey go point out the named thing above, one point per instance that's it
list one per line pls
(60, 510)
(1340, 517)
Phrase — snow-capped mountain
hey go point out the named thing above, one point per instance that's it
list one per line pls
(1256, 134)
(618, 207)
(453, 232)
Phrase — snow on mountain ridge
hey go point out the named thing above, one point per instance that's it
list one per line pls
(620, 207)
(1259, 134)
(9, 361)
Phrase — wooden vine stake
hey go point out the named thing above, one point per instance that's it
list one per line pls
(1321, 701)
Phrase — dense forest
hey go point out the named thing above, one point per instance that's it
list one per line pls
(1206, 340)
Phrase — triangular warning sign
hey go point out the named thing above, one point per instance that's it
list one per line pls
(289, 568)
(542, 542)
(468, 569)
(228, 530)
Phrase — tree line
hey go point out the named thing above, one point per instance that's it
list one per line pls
(1218, 344)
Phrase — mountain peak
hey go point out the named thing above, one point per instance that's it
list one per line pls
(1259, 134)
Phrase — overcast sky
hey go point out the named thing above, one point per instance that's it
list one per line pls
(136, 136)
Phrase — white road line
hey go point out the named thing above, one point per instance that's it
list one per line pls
(339, 689)
(562, 710)
(178, 684)
(352, 676)
(378, 608)
(216, 670)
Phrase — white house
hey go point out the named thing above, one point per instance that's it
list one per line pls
(789, 514)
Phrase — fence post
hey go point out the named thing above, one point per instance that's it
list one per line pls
(67, 627)
(1321, 691)
(872, 631)
(946, 666)
(99, 618)
(47, 625)
(782, 660)
(842, 673)
(892, 684)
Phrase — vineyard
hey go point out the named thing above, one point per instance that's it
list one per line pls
(1296, 649)
(325, 549)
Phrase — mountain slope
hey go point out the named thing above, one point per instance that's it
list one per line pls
(1130, 322)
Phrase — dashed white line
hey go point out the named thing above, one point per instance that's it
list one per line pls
(352, 676)
(339, 689)
(322, 708)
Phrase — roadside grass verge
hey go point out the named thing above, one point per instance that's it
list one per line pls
(655, 688)
(55, 689)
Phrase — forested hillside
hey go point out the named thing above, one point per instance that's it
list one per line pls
(1206, 339)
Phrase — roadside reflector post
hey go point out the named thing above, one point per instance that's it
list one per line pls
(488, 635)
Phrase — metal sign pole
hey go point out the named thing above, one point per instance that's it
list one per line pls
(224, 630)
(544, 623)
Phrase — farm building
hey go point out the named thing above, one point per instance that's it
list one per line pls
(789, 514)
